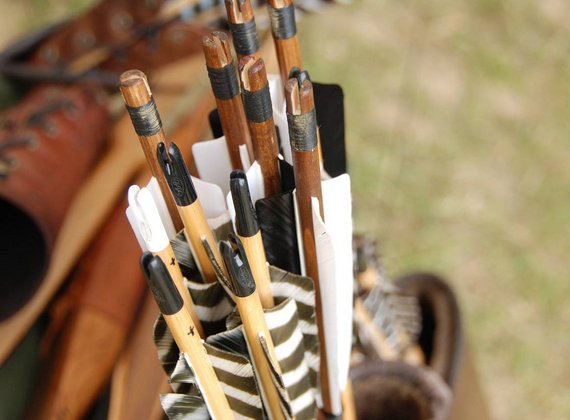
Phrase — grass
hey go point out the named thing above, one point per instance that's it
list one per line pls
(457, 116)
(458, 122)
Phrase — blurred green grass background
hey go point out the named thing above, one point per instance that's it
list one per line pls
(458, 117)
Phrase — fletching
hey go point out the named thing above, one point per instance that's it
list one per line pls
(334, 255)
(213, 162)
(276, 216)
(294, 333)
(236, 376)
(188, 407)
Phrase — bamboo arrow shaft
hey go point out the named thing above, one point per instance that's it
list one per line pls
(183, 331)
(169, 259)
(255, 253)
(254, 325)
(196, 227)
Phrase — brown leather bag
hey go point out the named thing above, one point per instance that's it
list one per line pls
(114, 36)
(47, 144)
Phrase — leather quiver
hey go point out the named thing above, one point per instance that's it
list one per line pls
(441, 336)
(48, 142)
(113, 36)
(396, 390)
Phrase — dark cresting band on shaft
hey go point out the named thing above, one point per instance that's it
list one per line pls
(303, 131)
(257, 105)
(145, 118)
(245, 37)
(283, 23)
(224, 81)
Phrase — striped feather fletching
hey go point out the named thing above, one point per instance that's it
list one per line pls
(236, 377)
(296, 377)
(387, 302)
(277, 380)
(376, 304)
(292, 324)
(184, 407)
(286, 285)
(184, 255)
(397, 315)
(212, 306)
(406, 310)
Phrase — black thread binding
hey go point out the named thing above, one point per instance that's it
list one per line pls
(224, 81)
(145, 118)
(303, 131)
(257, 105)
(283, 22)
(245, 37)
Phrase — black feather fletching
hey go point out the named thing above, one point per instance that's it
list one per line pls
(276, 217)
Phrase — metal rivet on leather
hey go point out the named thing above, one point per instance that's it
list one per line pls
(32, 143)
(7, 124)
(84, 40)
(7, 165)
(178, 37)
(71, 111)
(151, 4)
(50, 129)
(50, 54)
(122, 22)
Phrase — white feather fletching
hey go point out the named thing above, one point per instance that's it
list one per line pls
(154, 189)
(333, 239)
(213, 162)
(148, 222)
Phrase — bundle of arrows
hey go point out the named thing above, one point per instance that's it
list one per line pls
(251, 261)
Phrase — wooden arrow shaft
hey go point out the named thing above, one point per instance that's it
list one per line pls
(253, 320)
(168, 258)
(255, 254)
(196, 227)
(183, 331)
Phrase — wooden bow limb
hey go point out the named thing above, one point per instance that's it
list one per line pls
(75, 370)
(137, 378)
(97, 196)
(103, 310)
